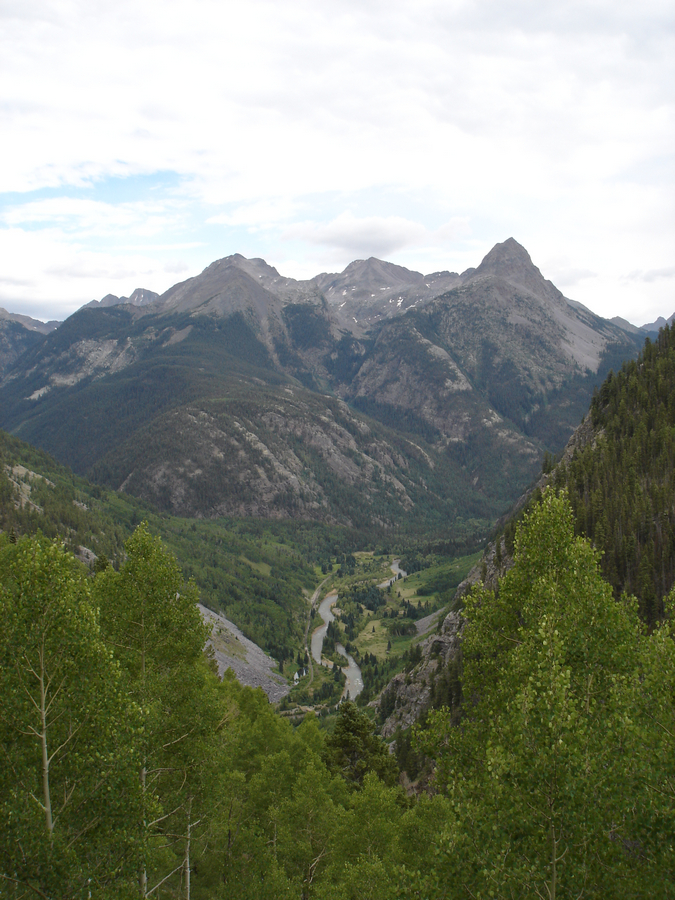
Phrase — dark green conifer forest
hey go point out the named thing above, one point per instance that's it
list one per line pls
(622, 486)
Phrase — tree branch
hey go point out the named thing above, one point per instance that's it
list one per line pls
(24, 884)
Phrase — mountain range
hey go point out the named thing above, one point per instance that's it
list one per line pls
(373, 397)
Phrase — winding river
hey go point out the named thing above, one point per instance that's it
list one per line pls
(354, 684)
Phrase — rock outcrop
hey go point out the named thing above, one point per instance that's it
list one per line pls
(410, 692)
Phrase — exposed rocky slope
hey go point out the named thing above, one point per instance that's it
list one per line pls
(233, 650)
(193, 399)
(410, 693)
(280, 459)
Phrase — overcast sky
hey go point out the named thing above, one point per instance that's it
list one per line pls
(142, 140)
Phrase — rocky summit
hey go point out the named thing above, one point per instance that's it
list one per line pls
(374, 396)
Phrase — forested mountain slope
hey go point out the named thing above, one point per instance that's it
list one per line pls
(18, 334)
(622, 483)
(256, 572)
(618, 471)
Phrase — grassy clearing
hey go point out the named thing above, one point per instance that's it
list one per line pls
(429, 590)
(261, 567)
(377, 642)
(367, 569)
(439, 579)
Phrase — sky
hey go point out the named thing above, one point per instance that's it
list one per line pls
(143, 140)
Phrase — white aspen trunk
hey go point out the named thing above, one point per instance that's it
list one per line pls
(187, 850)
(143, 877)
(45, 751)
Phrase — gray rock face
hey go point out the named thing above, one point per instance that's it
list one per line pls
(250, 467)
(369, 291)
(140, 297)
(412, 691)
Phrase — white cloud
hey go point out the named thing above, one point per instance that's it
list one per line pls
(374, 235)
(369, 236)
(78, 216)
(257, 216)
(177, 267)
(568, 276)
(48, 277)
(549, 121)
(653, 275)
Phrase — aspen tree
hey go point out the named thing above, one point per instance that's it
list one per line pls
(547, 802)
(66, 798)
(151, 621)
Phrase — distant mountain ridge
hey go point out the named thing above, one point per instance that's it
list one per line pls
(378, 394)
(140, 297)
(655, 327)
(17, 334)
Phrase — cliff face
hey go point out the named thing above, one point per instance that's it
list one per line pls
(411, 693)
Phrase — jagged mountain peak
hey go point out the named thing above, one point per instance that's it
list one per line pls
(365, 276)
(661, 322)
(256, 267)
(371, 290)
(285, 290)
(140, 297)
(379, 268)
(510, 261)
(222, 288)
(507, 251)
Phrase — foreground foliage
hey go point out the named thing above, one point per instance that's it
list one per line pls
(67, 793)
(162, 781)
(557, 773)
